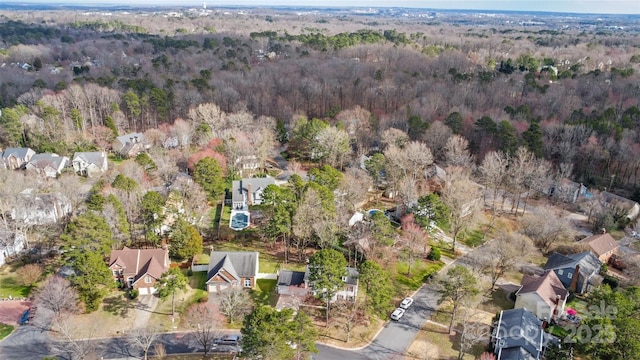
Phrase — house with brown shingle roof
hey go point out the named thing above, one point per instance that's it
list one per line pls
(545, 296)
(139, 268)
(602, 245)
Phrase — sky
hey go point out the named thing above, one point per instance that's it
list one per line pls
(588, 6)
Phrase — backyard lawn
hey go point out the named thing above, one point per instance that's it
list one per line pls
(421, 271)
(265, 292)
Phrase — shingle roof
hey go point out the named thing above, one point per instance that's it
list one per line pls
(240, 187)
(94, 157)
(589, 263)
(17, 152)
(290, 278)
(600, 243)
(41, 161)
(130, 138)
(238, 263)
(548, 286)
(138, 262)
(520, 331)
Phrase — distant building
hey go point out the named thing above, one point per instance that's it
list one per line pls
(602, 245)
(12, 243)
(16, 158)
(90, 163)
(129, 145)
(49, 165)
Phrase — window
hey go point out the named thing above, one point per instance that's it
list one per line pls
(247, 283)
(569, 275)
(344, 279)
(560, 272)
(147, 279)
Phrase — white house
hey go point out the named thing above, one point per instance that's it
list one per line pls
(545, 296)
(11, 244)
(49, 165)
(248, 192)
(348, 292)
(90, 163)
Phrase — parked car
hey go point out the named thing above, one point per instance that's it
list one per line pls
(26, 316)
(231, 340)
(397, 314)
(406, 303)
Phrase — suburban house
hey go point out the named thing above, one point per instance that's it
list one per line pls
(139, 268)
(49, 165)
(577, 272)
(566, 190)
(129, 145)
(291, 289)
(629, 208)
(348, 292)
(435, 177)
(11, 244)
(16, 158)
(232, 269)
(39, 209)
(248, 191)
(247, 164)
(545, 296)
(519, 335)
(602, 245)
(90, 163)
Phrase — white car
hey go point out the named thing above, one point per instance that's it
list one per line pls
(406, 303)
(397, 314)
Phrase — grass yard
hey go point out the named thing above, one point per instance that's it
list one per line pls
(265, 292)
(497, 300)
(198, 280)
(5, 330)
(421, 271)
(434, 342)
(9, 286)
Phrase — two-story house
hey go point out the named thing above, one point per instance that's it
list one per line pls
(90, 163)
(139, 268)
(248, 191)
(518, 335)
(545, 296)
(577, 272)
(12, 243)
(16, 158)
(349, 290)
(49, 165)
(602, 245)
(129, 145)
(229, 269)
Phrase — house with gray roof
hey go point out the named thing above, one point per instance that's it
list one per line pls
(577, 272)
(90, 163)
(129, 145)
(229, 269)
(49, 165)
(248, 191)
(291, 289)
(16, 158)
(519, 335)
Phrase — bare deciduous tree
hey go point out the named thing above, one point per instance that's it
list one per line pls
(144, 338)
(57, 295)
(493, 172)
(29, 274)
(464, 200)
(348, 315)
(73, 341)
(546, 231)
(395, 137)
(502, 254)
(437, 136)
(206, 321)
(457, 152)
(233, 303)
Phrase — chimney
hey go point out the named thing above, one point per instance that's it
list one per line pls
(574, 281)
(603, 230)
(249, 195)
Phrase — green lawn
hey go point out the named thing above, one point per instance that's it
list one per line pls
(198, 280)
(5, 330)
(496, 301)
(226, 215)
(9, 286)
(265, 292)
(421, 271)
(215, 214)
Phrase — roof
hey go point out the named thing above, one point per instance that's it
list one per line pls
(240, 187)
(519, 335)
(237, 263)
(17, 152)
(130, 138)
(352, 276)
(138, 262)
(41, 161)
(93, 157)
(290, 278)
(547, 286)
(589, 263)
(617, 201)
(9, 238)
(600, 244)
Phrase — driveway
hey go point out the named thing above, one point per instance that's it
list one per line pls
(145, 306)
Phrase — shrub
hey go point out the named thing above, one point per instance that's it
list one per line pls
(133, 294)
(434, 254)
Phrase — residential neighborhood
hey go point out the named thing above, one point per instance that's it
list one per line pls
(284, 183)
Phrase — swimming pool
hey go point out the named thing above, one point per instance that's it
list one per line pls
(239, 220)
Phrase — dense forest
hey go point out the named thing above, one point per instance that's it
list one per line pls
(570, 94)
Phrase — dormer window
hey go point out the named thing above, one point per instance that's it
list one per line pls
(344, 279)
